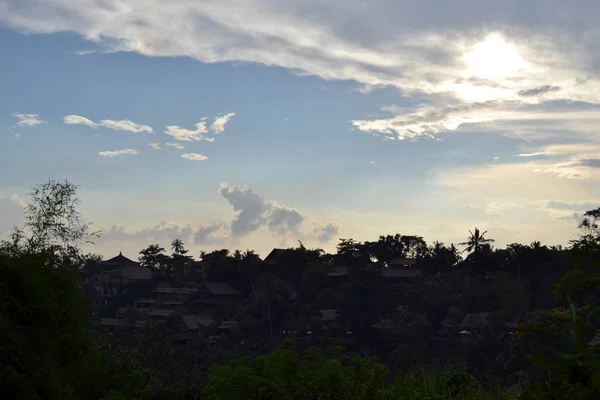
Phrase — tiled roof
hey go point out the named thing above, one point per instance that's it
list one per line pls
(221, 288)
(197, 321)
(161, 312)
(167, 289)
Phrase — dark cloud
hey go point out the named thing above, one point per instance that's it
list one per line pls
(575, 218)
(206, 233)
(589, 162)
(255, 212)
(539, 91)
(326, 231)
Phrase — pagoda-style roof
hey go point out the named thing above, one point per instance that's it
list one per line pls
(120, 259)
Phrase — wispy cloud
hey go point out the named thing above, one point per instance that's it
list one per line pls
(27, 120)
(194, 156)
(538, 91)
(218, 125)
(120, 125)
(155, 146)
(541, 153)
(115, 153)
(175, 145)
(188, 135)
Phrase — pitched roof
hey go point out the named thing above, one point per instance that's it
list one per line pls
(401, 273)
(273, 257)
(161, 312)
(121, 259)
(196, 321)
(221, 288)
(166, 288)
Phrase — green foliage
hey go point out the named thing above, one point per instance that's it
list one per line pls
(44, 337)
(574, 374)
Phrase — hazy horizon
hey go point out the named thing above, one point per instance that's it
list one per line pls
(252, 125)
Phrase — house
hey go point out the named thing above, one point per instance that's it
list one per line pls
(275, 257)
(187, 327)
(401, 270)
(211, 293)
(117, 325)
(167, 299)
(109, 279)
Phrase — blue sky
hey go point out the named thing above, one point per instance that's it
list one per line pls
(335, 120)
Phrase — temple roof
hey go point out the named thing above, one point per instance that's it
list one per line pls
(121, 259)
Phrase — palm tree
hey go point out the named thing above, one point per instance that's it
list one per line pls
(177, 247)
(454, 254)
(269, 291)
(179, 257)
(476, 241)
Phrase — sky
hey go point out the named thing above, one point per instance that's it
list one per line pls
(253, 124)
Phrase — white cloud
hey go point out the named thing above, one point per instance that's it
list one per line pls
(540, 153)
(121, 125)
(194, 156)
(218, 125)
(188, 135)
(155, 146)
(27, 120)
(78, 120)
(494, 116)
(415, 47)
(448, 54)
(11, 213)
(119, 153)
(175, 145)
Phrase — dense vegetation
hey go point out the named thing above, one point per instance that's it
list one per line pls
(50, 348)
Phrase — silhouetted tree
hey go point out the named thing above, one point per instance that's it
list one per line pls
(476, 241)
(154, 258)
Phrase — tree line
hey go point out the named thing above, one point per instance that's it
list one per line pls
(49, 352)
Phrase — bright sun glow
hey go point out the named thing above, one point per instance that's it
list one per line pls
(493, 58)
